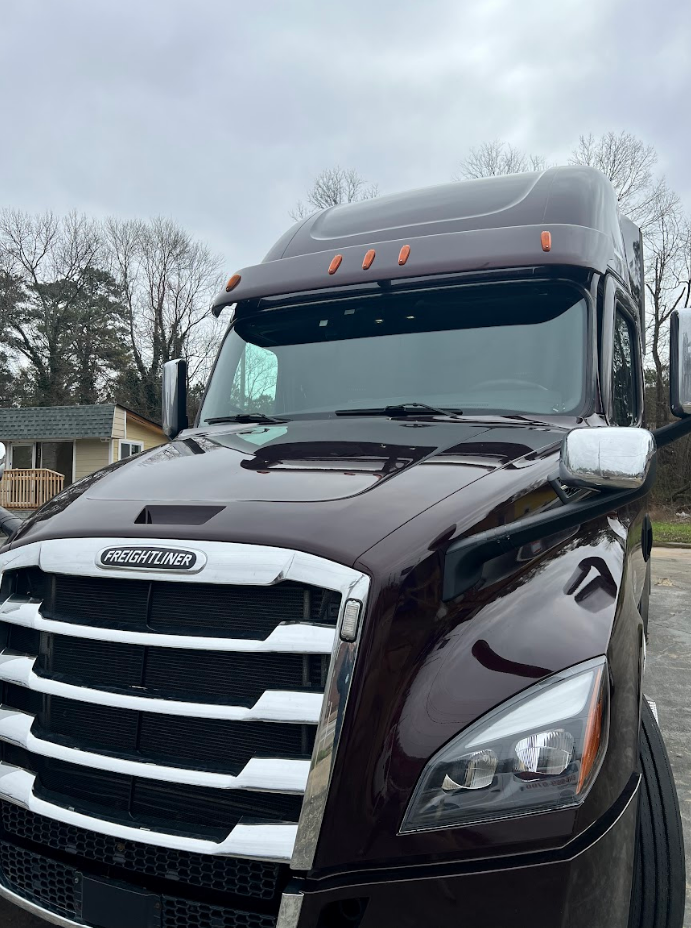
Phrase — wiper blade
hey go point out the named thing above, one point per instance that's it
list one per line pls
(245, 417)
(402, 409)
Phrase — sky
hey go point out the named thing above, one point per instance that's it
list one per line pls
(219, 114)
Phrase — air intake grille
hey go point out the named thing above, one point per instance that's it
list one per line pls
(237, 760)
(200, 609)
(57, 888)
(252, 878)
(39, 879)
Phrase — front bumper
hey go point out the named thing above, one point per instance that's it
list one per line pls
(586, 885)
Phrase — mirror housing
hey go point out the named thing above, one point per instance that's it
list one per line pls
(606, 458)
(174, 397)
(680, 362)
(3, 458)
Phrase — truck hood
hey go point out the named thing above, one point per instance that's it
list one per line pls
(331, 487)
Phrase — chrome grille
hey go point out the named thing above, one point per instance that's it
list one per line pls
(136, 709)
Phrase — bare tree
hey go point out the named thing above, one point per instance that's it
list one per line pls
(664, 272)
(167, 280)
(629, 164)
(493, 158)
(51, 284)
(332, 187)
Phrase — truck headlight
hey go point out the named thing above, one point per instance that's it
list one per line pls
(539, 751)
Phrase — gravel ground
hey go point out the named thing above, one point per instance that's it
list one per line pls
(668, 682)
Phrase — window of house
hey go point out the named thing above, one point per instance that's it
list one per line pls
(128, 448)
(624, 372)
(23, 456)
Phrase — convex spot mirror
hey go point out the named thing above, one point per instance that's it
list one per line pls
(680, 362)
(606, 458)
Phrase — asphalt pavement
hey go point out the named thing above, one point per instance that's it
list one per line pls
(668, 682)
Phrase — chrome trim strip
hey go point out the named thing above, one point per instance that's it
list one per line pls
(275, 775)
(255, 842)
(293, 638)
(272, 705)
(328, 735)
(289, 912)
(227, 563)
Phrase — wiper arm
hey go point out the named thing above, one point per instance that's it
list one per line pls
(401, 409)
(246, 417)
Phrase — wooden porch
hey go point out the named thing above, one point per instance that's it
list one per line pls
(29, 488)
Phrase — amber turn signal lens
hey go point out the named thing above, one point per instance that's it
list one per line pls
(546, 239)
(593, 735)
(335, 263)
(232, 283)
(403, 255)
(368, 260)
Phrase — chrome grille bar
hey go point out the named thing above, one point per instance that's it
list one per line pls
(272, 705)
(276, 775)
(294, 638)
(257, 842)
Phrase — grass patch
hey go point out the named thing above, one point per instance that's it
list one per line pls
(672, 532)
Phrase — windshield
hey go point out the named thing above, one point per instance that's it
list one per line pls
(513, 348)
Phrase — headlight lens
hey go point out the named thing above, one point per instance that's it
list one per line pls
(540, 750)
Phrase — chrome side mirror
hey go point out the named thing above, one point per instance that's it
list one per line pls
(3, 458)
(174, 397)
(680, 362)
(606, 458)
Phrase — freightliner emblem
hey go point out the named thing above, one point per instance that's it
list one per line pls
(136, 557)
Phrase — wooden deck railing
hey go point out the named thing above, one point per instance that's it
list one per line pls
(30, 488)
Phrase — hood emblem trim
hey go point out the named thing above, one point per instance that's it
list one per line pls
(168, 559)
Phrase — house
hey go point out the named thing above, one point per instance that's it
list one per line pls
(49, 447)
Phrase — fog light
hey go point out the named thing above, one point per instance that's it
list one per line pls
(476, 772)
(548, 753)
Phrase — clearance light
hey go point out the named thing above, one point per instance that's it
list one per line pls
(546, 239)
(335, 263)
(368, 260)
(351, 620)
(537, 752)
(233, 282)
(403, 255)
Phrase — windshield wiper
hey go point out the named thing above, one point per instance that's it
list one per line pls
(401, 409)
(245, 417)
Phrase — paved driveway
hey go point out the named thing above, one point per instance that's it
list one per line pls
(668, 682)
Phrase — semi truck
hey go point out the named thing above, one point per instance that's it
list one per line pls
(363, 646)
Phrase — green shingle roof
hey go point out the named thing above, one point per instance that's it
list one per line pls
(39, 423)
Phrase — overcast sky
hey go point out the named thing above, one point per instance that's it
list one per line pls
(219, 113)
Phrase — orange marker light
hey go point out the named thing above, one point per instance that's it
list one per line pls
(368, 260)
(403, 255)
(335, 263)
(233, 282)
(546, 239)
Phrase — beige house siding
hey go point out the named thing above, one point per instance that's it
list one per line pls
(119, 422)
(149, 435)
(90, 454)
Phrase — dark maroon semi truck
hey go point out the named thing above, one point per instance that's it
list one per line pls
(363, 648)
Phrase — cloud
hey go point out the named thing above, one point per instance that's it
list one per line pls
(219, 114)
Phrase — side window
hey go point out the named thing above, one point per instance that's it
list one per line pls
(254, 385)
(624, 373)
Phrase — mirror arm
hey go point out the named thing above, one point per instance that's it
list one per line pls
(668, 433)
(556, 485)
(464, 558)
